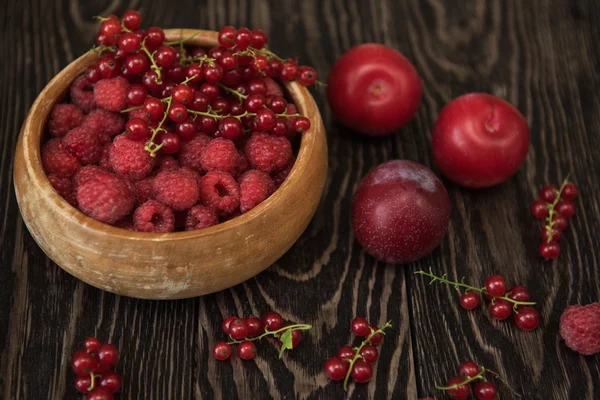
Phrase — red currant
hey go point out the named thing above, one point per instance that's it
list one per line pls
(155, 37)
(176, 73)
(307, 76)
(288, 71)
(213, 74)
(137, 129)
(280, 128)
(227, 37)
(566, 208)
(377, 338)
(165, 56)
(82, 383)
(183, 94)
(136, 94)
(254, 102)
(495, 286)
(346, 352)
(109, 66)
(560, 222)
(569, 191)
(211, 90)
(222, 351)
(369, 353)
(485, 391)
(91, 344)
(194, 72)
(99, 393)
(278, 104)
(461, 392)
(257, 86)
(552, 235)
(129, 42)
(137, 63)
(111, 29)
(539, 209)
(216, 52)
(519, 293)
(274, 68)
(227, 60)
(200, 102)
(178, 112)
(187, 130)
(230, 128)
(265, 119)
(132, 20)
(501, 309)
(154, 108)
(171, 143)
(360, 326)
(259, 39)
(92, 73)
(362, 372)
(208, 125)
(150, 80)
(221, 105)
(260, 63)
(167, 90)
(238, 329)
(468, 369)
(111, 381)
(527, 318)
(255, 326)
(231, 77)
(272, 321)
(243, 38)
(108, 354)
(549, 251)
(226, 322)
(83, 363)
(469, 300)
(237, 108)
(336, 368)
(301, 124)
(247, 350)
(548, 193)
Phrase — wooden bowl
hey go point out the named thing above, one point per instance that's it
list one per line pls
(170, 265)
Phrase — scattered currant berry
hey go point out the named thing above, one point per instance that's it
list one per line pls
(108, 354)
(495, 286)
(470, 373)
(222, 351)
(519, 293)
(470, 300)
(527, 318)
(92, 344)
(360, 326)
(238, 329)
(369, 353)
(549, 193)
(336, 368)
(362, 372)
(485, 391)
(255, 326)
(111, 381)
(272, 321)
(346, 352)
(569, 191)
(501, 309)
(93, 365)
(83, 383)
(247, 350)
(565, 208)
(549, 251)
(539, 209)
(468, 369)
(83, 363)
(458, 391)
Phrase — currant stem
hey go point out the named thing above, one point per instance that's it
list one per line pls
(154, 66)
(131, 109)
(296, 327)
(467, 380)
(497, 375)
(457, 285)
(93, 382)
(551, 212)
(152, 147)
(358, 356)
(241, 96)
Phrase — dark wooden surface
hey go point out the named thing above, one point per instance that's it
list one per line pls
(540, 55)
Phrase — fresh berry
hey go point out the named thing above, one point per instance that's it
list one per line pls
(362, 372)
(111, 94)
(369, 353)
(191, 152)
(56, 160)
(280, 176)
(108, 354)
(551, 235)
(138, 130)
(519, 293)
(88, 173)
(580, 328)
(470, 300)
(501, 309)
(468, 369)
(560, 222)
(225, 324)
(129, 158)
(227, 36)
(104, 123)
(247, 350)
(377, 338)
(566, 208)
(539, 209)
(61, 184)
(238, 329)
(495, 286)
(230, 128)
(268, 153)
(99, 393)
(296, 336)
(255, 326)
(255, 187)
(106, 197)
(485, 391)
(360, 326)
(83, 363)
(154, 109)
(272, 321)
(82, 94)
(307, 76)
(569, 191)
(219, 155)
(222, 351)
(176, 189)
(131, 19)
(111, 381)
(83, 383)
(527, 318)
(63, 118)
(549, 193)
(549, 251)
(461, 392)
(170, 143)
(199, 217)
(84, 144)
(153, 216)
(220, 191)
(136, 95)
(336, 368)
(92, 344)
(346, 352)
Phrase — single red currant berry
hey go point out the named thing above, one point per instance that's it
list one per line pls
(238, 329)
(129, 42)
(265, 119)
(220, 105)
(83, 363)
(461, 392)
(468, 369)
(551, 235)
(254, 102)
(200, 102)
(109, 66)
(274, 68)
(377, 338)
(336, 368)
(99, 393)
(566, 208)
(171, 143)
(222, 351)
(194, 72)
(539, 209)
(231, 77)
(346, 352)
(306, 75)
(210, 89)
(257, 86)
(255, 326)
(301, 124)
(92, 73)
(560, 222)
(243, 38)
(137, 64)
(154, 109)
(137, 129)
(230, 128)
(362, 372)
(82, 383)
(150, 80)
(246, 350)
(183, 94)
(548, 193)
(167, 90)
(549, 251)
(216, 52)
(226, 322)
(101, 39)
(208, 125)
(272, 321)
(495, 286)
(469, 300)
(227, 37)
(91, 344)
(259, 39)
(111, 29)
(369, 353)
(108, 354)
(501, 309)
(132, 20)
(165, 56)
(111, 381)
(280, 128)
(527, 318)
(136, 94)
(569, 191)
(278, 104)
(176, 73)
(187, 130)
(260, 63)
(485, 391)
(178, 112)
(518, 293)
(213, 74)
(155, 37)
(237, 108)
(227, 60)
(288, 71)
(360, 326)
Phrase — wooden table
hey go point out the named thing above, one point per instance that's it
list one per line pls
(539, 55)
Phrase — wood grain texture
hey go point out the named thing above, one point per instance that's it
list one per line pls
(539, 55)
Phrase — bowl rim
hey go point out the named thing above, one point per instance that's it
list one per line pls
(32, 143)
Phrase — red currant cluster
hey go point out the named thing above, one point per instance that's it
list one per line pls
(244, 331)
(356, 362)
(459, 387)
(555, 207)
(93, 365)
(502, 302)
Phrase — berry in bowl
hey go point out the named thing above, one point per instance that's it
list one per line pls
(165, 164)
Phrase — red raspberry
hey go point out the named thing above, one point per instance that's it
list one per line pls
(82, 94)
(220, 155)
(191, 152)
(144, 190)
(200, 217)
(56, 160)
(64, 117)
(87, 173)
(111, 94)
(280, 176)
(83, 144)
(176, 189)
(273, 88)
(255, 187)
(243, 164)
(138, 113)
(167, 163)
(268, 153)
(220, 191)
(104, 123)
(580, 327)
(128, 157)
(105, 197)
(153, 216)
(104, 158)
(64, 188)
(191, 173)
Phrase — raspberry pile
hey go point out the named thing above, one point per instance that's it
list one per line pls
(555, 207)
(93, 366)
(162, 137)
(356, 362)
(580, 328)
(245, 331)
(469, 372)
(503, 302)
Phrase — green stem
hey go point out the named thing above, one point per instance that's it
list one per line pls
(152, 147)
(357, 355)
(551, 209)
(240, 96)
(154, 66)
(467, 380)
(296, 327)
(461, 284)
(131, 109)
(93, 382)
